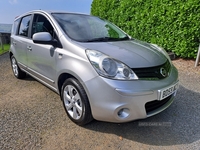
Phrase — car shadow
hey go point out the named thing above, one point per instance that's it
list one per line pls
(29, 78)
(179, 124)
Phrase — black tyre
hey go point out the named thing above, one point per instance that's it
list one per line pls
(18, 73)
(76, 102)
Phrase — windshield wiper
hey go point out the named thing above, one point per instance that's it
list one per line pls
(124, 38)
(101, 39)
(106, 39)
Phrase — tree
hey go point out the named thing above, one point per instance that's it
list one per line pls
(174, 25)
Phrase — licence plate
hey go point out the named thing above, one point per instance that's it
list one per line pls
(164, 93)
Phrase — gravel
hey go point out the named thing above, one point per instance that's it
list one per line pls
(32, 117)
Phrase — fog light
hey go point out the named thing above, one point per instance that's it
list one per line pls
(123, 113)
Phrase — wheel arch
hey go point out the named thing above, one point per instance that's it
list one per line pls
(64, 75)
(10, 54)
(61, 80)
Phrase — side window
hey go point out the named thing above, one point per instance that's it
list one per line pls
(24, 26)
(15, 27)
(41, 24)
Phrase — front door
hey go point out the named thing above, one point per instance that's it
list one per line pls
(42, 58)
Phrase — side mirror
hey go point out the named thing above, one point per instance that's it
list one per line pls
(44, 38)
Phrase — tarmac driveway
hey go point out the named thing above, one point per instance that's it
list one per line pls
(32, 117)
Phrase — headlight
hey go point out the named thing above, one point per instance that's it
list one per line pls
(109, 67)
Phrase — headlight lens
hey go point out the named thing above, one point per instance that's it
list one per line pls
(109, 67)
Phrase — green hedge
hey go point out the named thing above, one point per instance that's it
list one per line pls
(174, 25)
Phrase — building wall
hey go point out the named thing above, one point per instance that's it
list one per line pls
(5, 37)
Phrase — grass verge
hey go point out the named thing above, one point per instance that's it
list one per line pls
(6, 48)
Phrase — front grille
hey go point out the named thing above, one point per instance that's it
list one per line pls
(153, 73)
(153, 105)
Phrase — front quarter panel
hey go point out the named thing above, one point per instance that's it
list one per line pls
(73, 60)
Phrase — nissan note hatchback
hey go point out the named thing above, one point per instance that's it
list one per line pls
(99, 71)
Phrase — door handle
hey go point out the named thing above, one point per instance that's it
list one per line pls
(29, 48)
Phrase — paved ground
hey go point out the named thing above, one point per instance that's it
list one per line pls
(32, 117)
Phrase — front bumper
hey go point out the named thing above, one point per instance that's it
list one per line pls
(123, 101)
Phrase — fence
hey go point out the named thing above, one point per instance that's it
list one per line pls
(4, 39)
(198, 57)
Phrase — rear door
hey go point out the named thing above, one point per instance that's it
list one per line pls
(20, 38)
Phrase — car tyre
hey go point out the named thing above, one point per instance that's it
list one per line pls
(18, 73)
(76, 102)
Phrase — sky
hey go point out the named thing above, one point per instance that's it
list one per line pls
(9, 9)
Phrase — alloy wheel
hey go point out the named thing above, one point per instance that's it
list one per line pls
(15, 67)
(73, 102)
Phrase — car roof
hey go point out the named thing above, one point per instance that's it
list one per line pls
(49, 12)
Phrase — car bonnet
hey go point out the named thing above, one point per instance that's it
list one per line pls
(134, 53)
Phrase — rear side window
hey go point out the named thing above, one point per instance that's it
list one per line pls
(15, 27)
(24, 26)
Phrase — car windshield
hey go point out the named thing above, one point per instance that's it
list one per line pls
(85, 28)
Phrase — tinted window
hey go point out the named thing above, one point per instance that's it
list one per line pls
(15, 26)
(24, 26)
(41, 24)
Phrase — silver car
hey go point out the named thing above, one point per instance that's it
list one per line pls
(99, 71)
